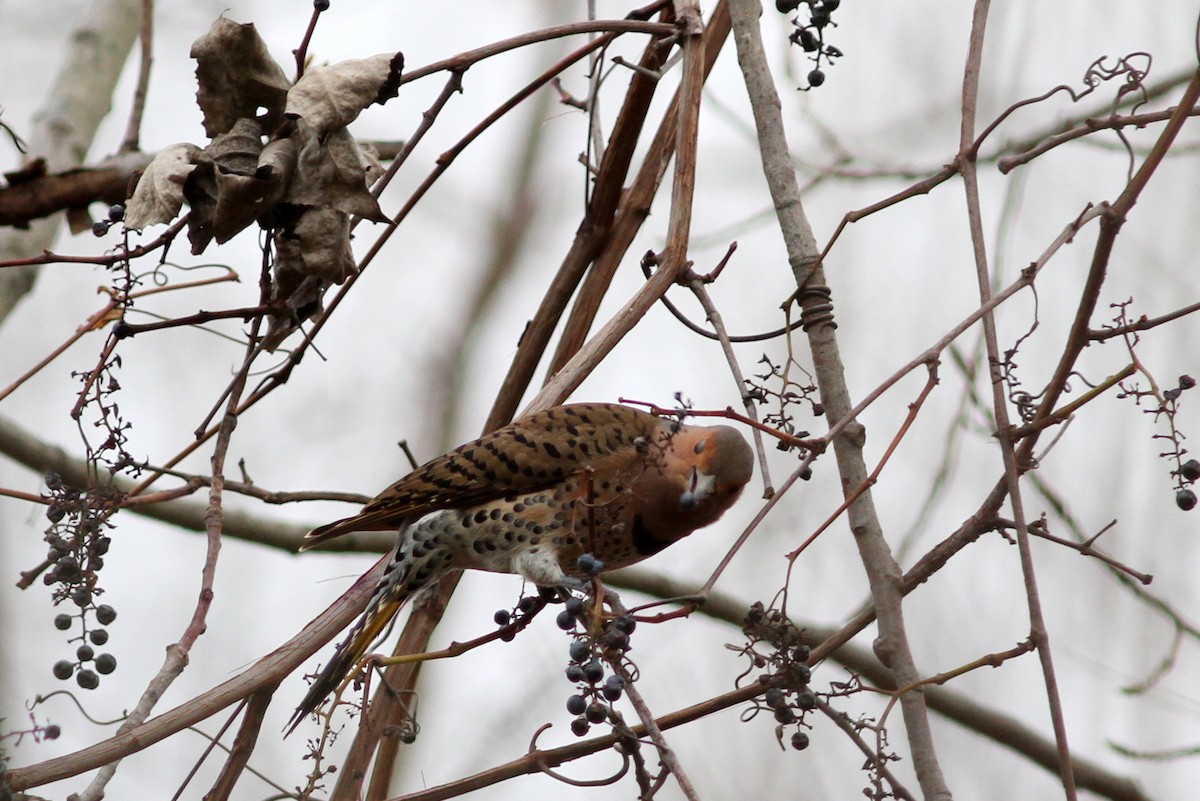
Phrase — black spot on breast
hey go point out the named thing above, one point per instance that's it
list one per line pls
(644, 541)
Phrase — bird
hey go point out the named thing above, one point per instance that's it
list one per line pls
(531, 498)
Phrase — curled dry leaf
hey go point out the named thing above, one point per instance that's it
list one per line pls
(159, 193)
(332, 97)
(237, 78)
(334, 173)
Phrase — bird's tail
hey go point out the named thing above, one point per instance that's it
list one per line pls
(394, 589)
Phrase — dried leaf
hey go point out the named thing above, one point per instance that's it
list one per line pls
(159, 193)
(236, 77)
(328, 98)
(333, 173)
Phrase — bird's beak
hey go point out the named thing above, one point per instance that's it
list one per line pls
(700, 486)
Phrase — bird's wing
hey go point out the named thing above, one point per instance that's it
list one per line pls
(530, 454)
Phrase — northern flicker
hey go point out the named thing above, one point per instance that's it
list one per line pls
(532, 497)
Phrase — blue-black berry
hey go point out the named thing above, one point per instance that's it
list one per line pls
(799, 741)
(62, 622)
(321, 5)
(98, 636)
(593, 671)
(105, 614)
(106, 663)
(579, 727)
(502, 617)
(84, 653)
(565, 620)
(1190, 470)
(612, 688)
(87, 679)
(116, 213)
(63, 669)
(589, 564)
(576, 704)
(1185, 499)
(579, 650)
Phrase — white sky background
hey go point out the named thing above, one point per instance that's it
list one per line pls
(900, 280)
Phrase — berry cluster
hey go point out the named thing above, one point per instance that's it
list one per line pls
(1186, 473)
(115, 215)
(810, 35)
(787, 675)
(1166, 405)
(513, 620)
(78, 542)
(596, 690)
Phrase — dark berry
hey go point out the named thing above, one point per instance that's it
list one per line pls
(802, 653)
(1190, 470)
(527, 604)
(574, 606)
(549, 595)
(589, 564)
(773, 697)
(54, 481)
(508, 635)
(593, 671)
(105, 614)
(1185, 382)
(100, 545)
(580, 726)
(116, 213)
(799, 673)
(81, 597)
(625, 623)
(63, 669)
(98, 636)
(84, 653)
(68, 567)
(806, 700)
(87, 679)
(576, 704)
(502, 617)
(832, 5)
(786, 6)
(579, 650)
(800, 741)
(106, 663)
(100, 228)
(574, 673)
(596, 713)
(784, 714)
(816, 78)
(54, 513)
(62, 622)
(321, 5)
(618, 640)
(51, 732)
(565, 620)
(613, 686)
(820, 17)
(1185, 499)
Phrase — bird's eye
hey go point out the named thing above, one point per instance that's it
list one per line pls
(699, 447)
